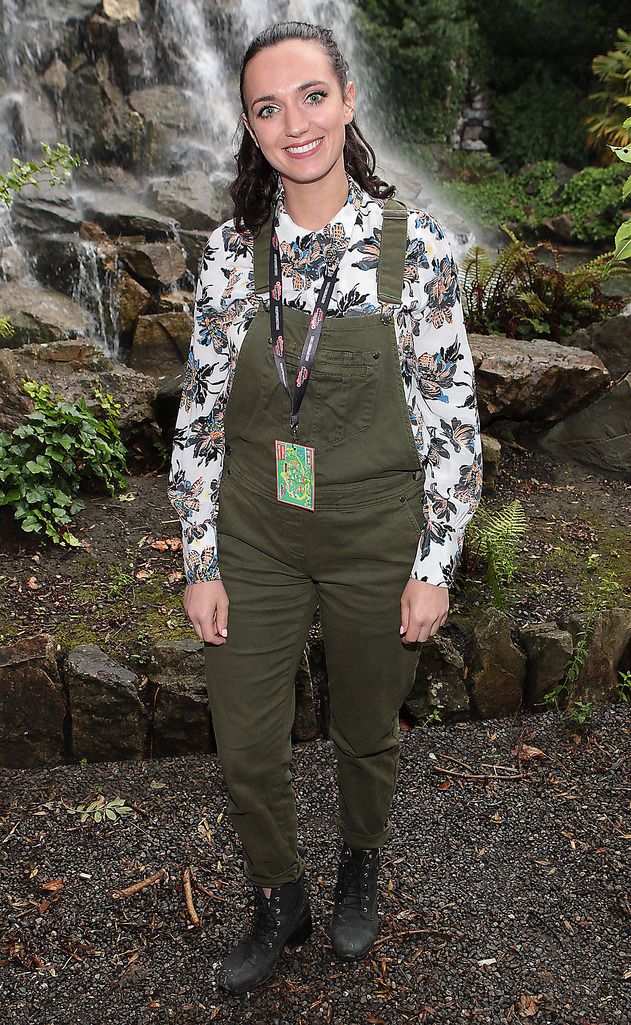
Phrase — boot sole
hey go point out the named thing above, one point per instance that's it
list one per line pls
(301, 933)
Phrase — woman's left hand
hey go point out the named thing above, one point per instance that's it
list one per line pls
(424, 609)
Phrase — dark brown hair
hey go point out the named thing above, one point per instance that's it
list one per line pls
(255, 186)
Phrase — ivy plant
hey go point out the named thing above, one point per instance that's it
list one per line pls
(59, 447)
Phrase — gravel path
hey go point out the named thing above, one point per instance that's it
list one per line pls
(502, 900)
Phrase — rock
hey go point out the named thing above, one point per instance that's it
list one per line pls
(113, 131)
(131, 300)
(164, 105)
(192, 199)
(194, 243)
(34, 122)
(168, 117)
(608, 652)
(119, 214)
(14, 403)
(122, 10)
(155, 263)
(491, 452)
(180, 701)
(72, 369)
(13, 263)
(55, 77)
(558, 227)
(498, 667)
(598, 436)
(167, 403)
(129, 49)
(64, 261)
(548, 649)
(45, 211)
(161, 343)
(305, 725)
(39, 314)
(534, 379)
(184, 650)
(32, 704)
(176, 302)
(610, 339)
(439, 682)
(109, 719)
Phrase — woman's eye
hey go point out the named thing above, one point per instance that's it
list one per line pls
(320, 96)
(261, 112)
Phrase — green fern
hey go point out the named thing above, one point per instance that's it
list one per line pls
(520, 296)
(498, 533)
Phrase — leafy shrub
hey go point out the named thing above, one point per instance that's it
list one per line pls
(45, 460)
(613, 69)
(519, 296)
(538, 121)
(591, 198)
(418, 52)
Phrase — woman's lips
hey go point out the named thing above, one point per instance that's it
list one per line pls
(305, 153)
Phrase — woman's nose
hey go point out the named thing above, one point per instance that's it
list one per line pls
(296, 123)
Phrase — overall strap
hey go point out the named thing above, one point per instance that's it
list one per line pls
(261, 257)
(394, 235)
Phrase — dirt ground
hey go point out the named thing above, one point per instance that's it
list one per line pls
(123, 588)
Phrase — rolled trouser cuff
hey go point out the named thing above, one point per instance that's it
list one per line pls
(362, 841)
(288, 876)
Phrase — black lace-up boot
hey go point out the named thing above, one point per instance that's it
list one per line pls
(355, 919)
(283, 919)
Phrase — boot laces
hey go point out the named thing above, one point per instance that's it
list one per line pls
(353, 882)
(265, 921)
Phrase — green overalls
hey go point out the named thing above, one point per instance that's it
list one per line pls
(352, 556)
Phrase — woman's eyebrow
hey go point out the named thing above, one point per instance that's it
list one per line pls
(299, 88)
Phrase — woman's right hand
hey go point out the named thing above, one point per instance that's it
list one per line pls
(206, 604)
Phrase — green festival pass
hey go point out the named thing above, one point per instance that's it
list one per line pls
(295, 474)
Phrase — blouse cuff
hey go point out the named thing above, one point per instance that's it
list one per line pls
(200, 558)
(437, 563)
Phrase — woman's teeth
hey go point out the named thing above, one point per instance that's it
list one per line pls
(304, 149)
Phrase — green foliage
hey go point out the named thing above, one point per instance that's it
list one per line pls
(101, 810)
(623, 235)
(624, 688)
(498, 535)
(532, 122)
(613, 69)
(55, 169)
(6, 328)
(593, 201)
(537, 64)
(417, 51)
(591, 198)
(60, 446)
(519, 296)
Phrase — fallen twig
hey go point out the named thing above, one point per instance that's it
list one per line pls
(135, 887)
(188, 896)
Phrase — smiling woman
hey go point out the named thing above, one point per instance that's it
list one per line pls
(327, 453)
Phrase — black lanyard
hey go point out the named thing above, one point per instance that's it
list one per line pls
(314, 331)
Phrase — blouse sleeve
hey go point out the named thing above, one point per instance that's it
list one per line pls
(446, 410)
(198, 444)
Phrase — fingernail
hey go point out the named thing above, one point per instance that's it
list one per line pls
(224, 633)
(401, 630)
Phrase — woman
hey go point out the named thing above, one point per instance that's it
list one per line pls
(353, 494)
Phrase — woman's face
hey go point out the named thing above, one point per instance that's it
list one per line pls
(295, 110)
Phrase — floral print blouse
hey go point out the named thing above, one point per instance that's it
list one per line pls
(436, 367)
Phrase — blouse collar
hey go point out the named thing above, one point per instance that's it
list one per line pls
(341, 224)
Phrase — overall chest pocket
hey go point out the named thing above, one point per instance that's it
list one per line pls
(340, 400)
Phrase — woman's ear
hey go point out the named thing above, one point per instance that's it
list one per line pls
(247, 126)
(349, 103)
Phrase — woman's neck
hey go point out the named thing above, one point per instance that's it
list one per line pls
(312, 205)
